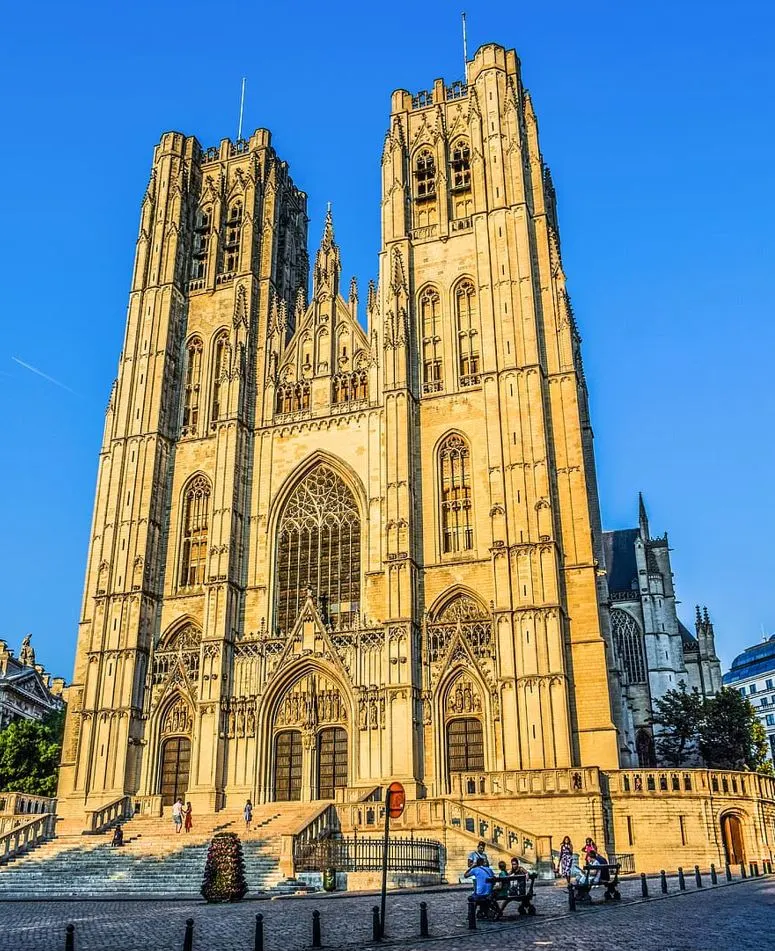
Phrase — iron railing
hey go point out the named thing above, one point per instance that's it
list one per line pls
(354, 854)
(625, 861)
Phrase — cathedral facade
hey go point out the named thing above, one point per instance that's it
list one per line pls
(340, 541)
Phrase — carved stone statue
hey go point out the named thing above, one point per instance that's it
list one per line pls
(27, 653)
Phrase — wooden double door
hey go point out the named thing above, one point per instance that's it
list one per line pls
(330, 772)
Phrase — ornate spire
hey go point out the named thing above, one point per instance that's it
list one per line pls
(643, 518)
(328, 266)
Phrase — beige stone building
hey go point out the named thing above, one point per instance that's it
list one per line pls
(325, 557)
(27, 690)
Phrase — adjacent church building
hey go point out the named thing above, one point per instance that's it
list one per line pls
(345, 538)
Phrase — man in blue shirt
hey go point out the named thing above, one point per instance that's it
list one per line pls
(483, 883)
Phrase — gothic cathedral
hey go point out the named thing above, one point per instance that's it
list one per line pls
(325, 557)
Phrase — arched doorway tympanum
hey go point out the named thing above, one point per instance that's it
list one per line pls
(175, 764)
(732, 835)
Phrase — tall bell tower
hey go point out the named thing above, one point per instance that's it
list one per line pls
(487, 427)
(222, 242)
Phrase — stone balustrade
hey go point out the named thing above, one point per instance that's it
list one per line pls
(573, 780)
(690, 782)
(97, 820)
(24, 804)
(26, 836)
(321, 824)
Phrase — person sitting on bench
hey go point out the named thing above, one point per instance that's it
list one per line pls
(483, 883)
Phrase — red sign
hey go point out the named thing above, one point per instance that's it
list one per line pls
(396, 800)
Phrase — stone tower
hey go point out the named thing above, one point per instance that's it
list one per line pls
(324, 557)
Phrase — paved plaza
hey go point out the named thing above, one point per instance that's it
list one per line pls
(736, 916)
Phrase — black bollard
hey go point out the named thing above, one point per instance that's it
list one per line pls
(697, 876)
(376, 929)
(743, 873)
(259, 933)
(713, 875)
(70, 938)
(728, 872)
(188, 938)
(681, 879)
(663, 882)
(571, 898)
(472, 916)
(644, 885)
(423, 919)
(316, 942)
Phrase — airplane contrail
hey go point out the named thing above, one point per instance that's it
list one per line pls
(45, 376)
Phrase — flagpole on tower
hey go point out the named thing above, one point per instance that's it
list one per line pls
(241, 109)
(465, 47)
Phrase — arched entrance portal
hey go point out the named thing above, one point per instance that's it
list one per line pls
(175, 763)
(311, 741)
(287, 766)
(732, 835)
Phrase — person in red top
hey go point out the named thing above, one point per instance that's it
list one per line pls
(188, 820)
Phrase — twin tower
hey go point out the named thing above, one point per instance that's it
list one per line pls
(333, 550)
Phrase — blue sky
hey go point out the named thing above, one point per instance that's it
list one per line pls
(657, 122)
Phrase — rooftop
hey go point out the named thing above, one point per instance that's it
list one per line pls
(756, 660)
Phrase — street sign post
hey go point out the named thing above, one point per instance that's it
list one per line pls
(395, 800)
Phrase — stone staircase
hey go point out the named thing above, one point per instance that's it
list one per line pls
(154, 862)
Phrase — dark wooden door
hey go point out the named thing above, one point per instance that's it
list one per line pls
(732, 832)
(175, 764)
(287, 766)
(465, 745)
(332, 761)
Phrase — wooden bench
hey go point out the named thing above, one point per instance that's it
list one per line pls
(606, 876)
(514, 888)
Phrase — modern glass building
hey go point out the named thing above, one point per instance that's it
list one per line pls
(753, 674)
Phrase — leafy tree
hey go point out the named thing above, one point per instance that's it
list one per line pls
(678, 714)
(731, 735)
(29, 755)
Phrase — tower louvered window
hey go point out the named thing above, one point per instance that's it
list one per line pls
(467, 321)
(629, 646)
(319, 547)
(461, 165)
(193, 555)
(456, 522)
(425, 175)
(202, 225)
(231, 247)
(192, 385)
(430, 320)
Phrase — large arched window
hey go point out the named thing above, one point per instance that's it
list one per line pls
(193, 554)
(319, 547)
(455, 477)
(467, 326)
(231, 247)
(628, 643)
(220, 363)
(192, 387)
(460, 614)
(202, 225)
(430, 321)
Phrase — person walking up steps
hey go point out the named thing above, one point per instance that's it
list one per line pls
(248, 813)
(177, 814)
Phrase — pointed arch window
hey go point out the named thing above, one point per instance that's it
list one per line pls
(319, 547)
(457, 531)
(192, 386)
(231, 247)
(461, 165)
(220, 364)
(425, 175)
(467, 325)
(629, 646)
(196, 511)
(202, 228)
(430, 321)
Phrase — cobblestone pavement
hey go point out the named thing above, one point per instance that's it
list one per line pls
(735, 916)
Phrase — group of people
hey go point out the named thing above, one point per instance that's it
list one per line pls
(500, 887)
(568, 868)
(182, 815)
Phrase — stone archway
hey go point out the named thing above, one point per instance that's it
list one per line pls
(732, 835)
(311, 747)
(175, 750)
